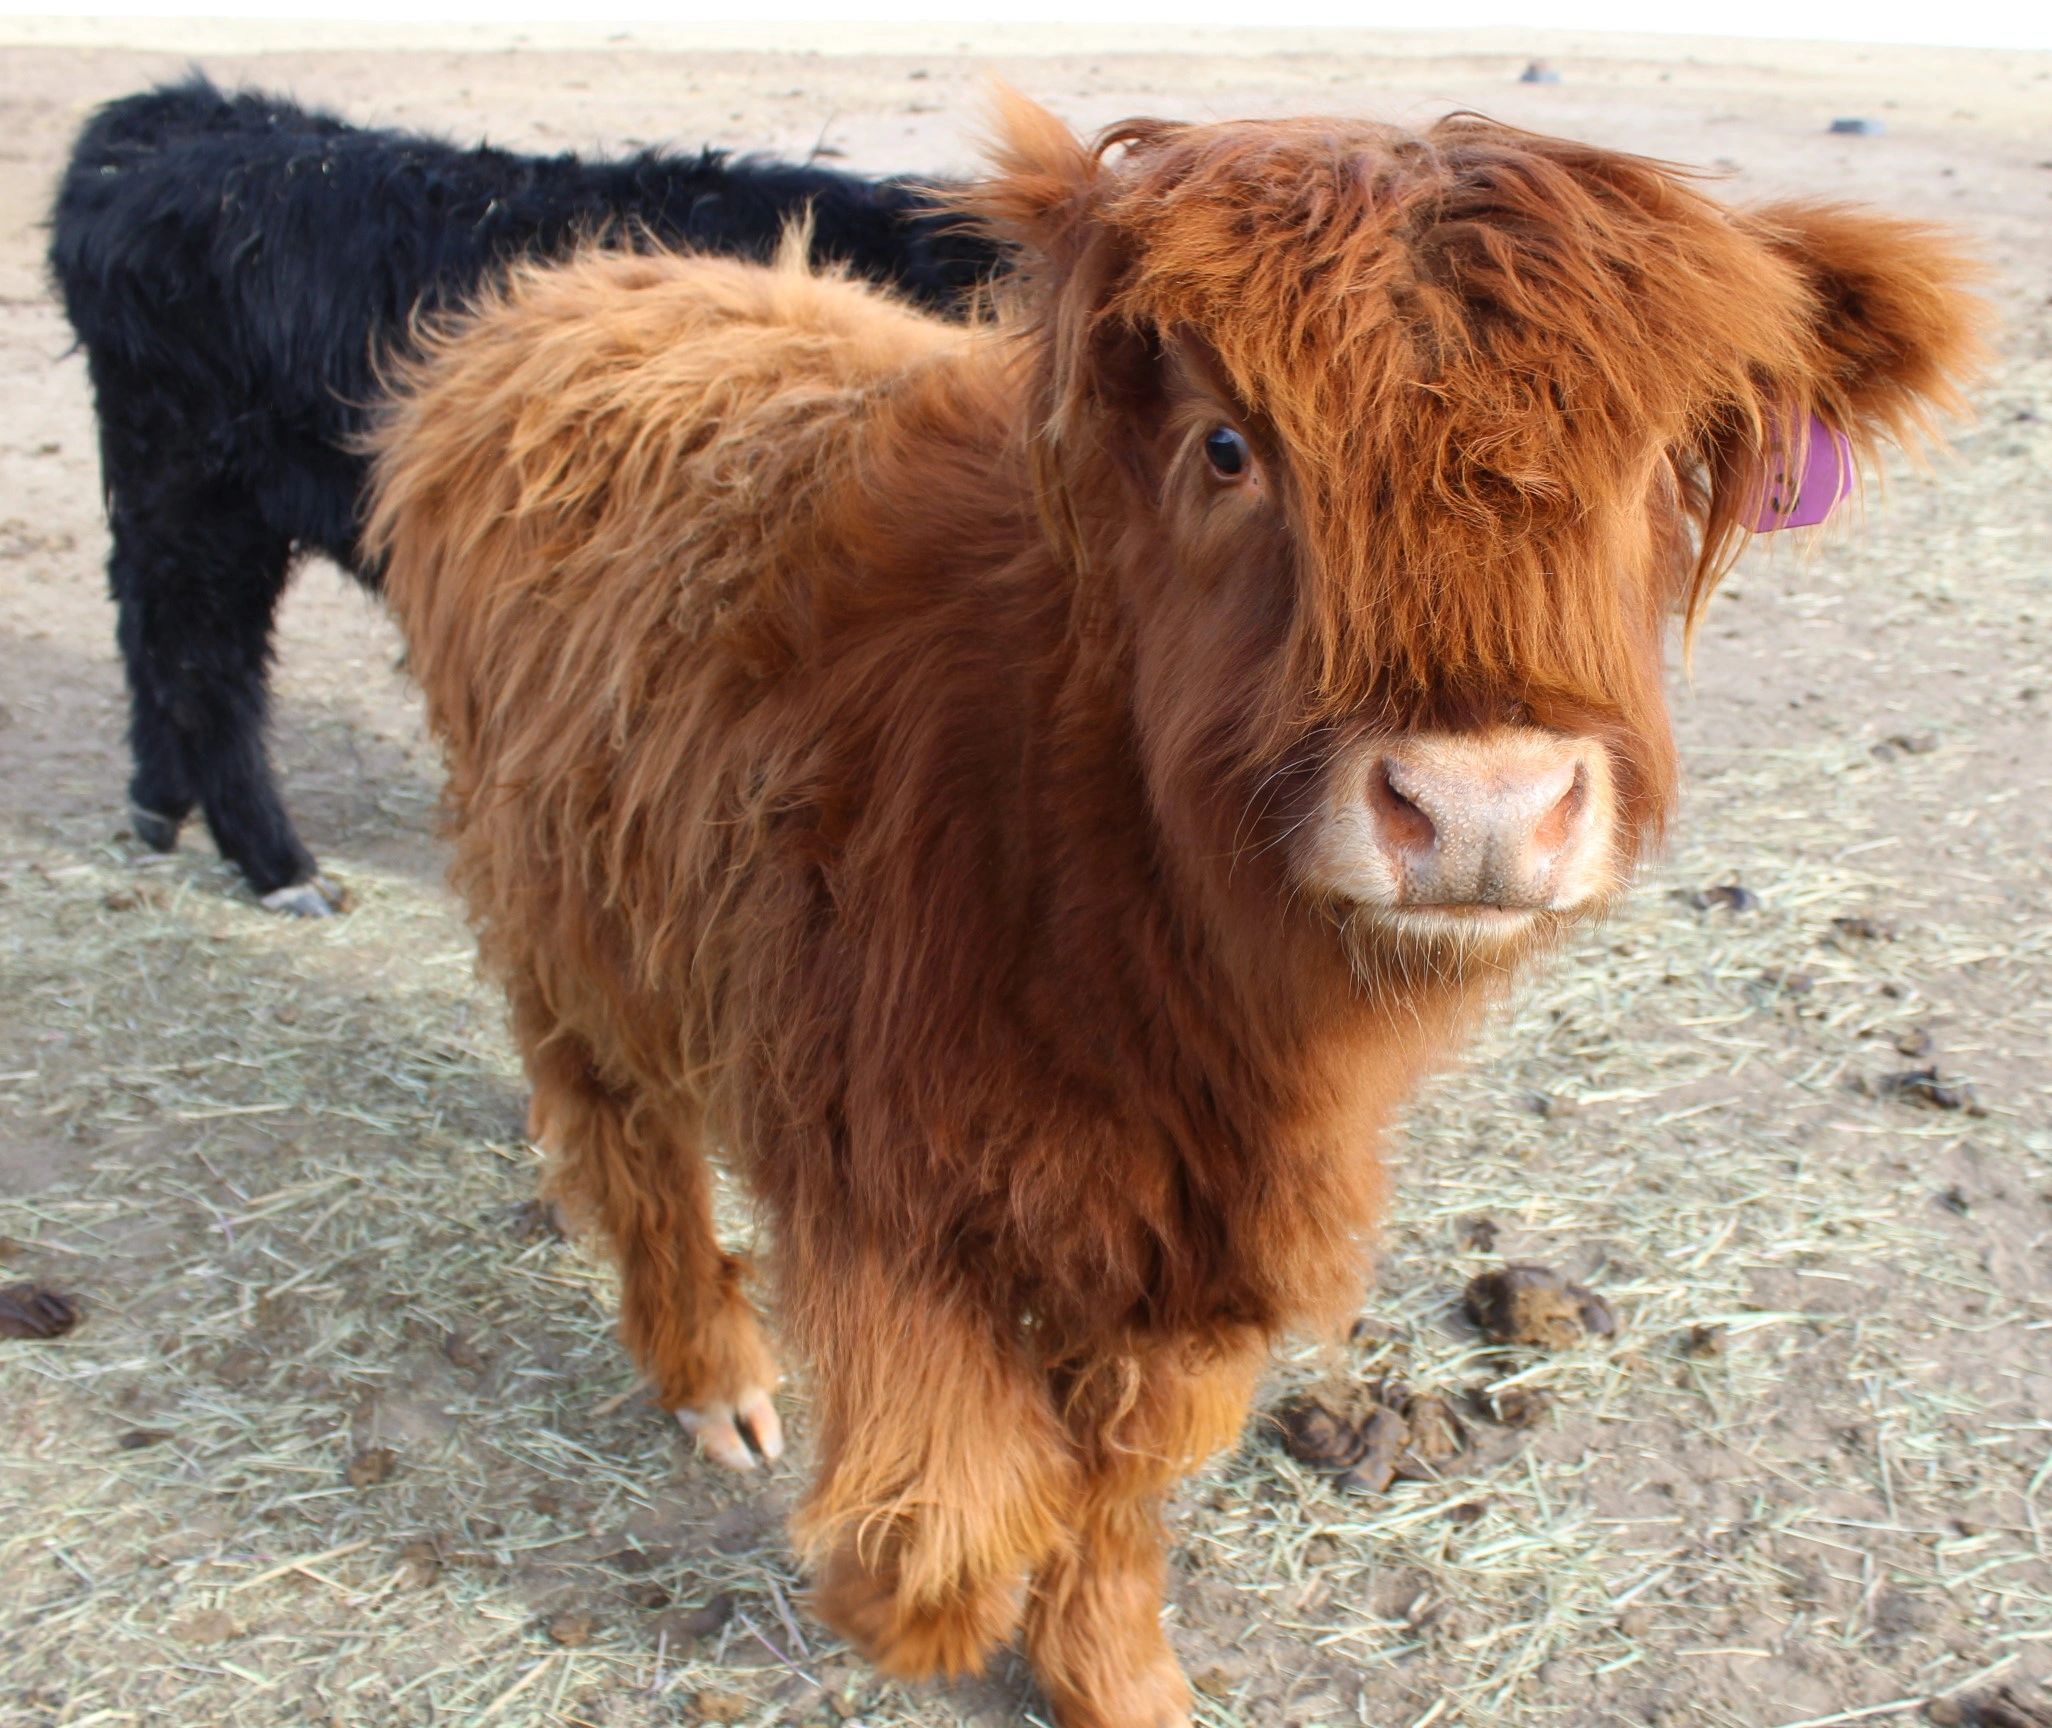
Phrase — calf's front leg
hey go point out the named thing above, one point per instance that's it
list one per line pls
(1093, 1624)
(944, 1475)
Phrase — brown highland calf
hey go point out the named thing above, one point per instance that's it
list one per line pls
(1038, 797)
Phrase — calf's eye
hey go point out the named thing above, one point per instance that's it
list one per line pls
(1227, 452)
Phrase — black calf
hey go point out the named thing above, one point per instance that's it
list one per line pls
(231, 264)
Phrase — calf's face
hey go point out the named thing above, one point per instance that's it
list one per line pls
(1396, 456)
(1467, 801)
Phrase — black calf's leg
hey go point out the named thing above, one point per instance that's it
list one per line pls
(160, 794)
(196, 590)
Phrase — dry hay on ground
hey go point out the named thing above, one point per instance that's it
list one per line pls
(291, 1199)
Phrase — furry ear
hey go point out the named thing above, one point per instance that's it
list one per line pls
(1887, 336)
(1895, 333)
(1048, 194)
(1042, 179)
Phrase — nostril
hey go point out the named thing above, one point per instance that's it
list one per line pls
(1402, 824)
(1558, 824)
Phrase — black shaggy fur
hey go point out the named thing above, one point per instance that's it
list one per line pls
(232, 265)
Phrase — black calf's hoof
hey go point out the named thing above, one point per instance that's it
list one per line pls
(316, 898)
(158, 833)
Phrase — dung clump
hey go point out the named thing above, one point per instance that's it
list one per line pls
(1534, 1305)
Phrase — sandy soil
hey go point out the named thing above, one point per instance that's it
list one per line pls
(344, 1438)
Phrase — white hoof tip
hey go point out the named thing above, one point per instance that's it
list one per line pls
(318, 898)
(757, 1418)
(736, 1435)
(717, 1436)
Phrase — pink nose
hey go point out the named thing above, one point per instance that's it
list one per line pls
(1514, 819)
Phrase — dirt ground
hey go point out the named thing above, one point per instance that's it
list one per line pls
(344, 1437)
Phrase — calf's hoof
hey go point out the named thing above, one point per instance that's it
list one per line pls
(717, 1376)
(1156, 1697)
(950, 1635)
(739, 1433)
(316, 897)
(154, 829)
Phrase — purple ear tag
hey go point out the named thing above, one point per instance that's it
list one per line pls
(1803, 487)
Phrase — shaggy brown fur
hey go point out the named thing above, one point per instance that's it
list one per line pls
(885, 749)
